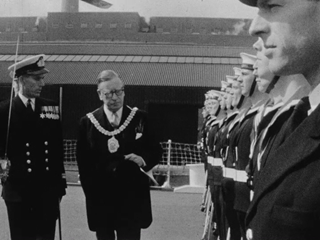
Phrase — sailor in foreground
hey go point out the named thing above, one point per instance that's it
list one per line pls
(286, 197)
(284, 93)
(35, 182)
(114, 150)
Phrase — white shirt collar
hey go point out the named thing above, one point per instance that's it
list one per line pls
(25, 100)
(109, 113)
(314, 98)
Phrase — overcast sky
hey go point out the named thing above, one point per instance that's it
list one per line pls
(146, 8)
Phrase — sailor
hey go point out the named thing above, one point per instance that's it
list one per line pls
(286, 193)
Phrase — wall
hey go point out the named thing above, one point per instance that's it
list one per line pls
(113, 26)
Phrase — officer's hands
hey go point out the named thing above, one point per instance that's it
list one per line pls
(135, 158)
(4, 169)
(4, 164)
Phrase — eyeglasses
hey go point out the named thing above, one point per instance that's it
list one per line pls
(118, 93)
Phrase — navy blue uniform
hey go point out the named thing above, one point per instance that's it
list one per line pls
(36, 179)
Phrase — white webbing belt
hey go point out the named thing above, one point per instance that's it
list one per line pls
(210, 160)
(237, 175)
(229, 173)
(217, 162)
(241, 176)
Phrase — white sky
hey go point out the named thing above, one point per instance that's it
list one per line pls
(146, 8)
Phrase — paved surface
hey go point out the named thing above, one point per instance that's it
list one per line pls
(176, 217)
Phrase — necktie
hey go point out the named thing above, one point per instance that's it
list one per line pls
(114, 120)
(29, 106)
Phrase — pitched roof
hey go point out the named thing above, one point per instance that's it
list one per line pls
(142, 74)
(138, 64)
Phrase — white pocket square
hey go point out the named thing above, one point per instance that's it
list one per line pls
(138, 135)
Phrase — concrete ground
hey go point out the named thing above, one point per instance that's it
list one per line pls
(176, 216)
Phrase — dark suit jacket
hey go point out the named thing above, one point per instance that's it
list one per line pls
(117, 192)
(287, 193)
(35, 149)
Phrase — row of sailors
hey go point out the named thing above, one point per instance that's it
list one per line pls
(241, 128)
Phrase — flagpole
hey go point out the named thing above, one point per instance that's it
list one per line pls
(11, 96)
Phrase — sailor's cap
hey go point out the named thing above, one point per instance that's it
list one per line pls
(247, 61)
(231, 79)
(224, 85)
(212, 94)
(30, 66)
(252, 3)
(237, 71)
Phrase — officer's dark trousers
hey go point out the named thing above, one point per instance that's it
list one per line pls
(123, 233)
(33, 220)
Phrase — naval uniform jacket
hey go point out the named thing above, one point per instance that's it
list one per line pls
(35, 149)
(207, 139)
(244, 138)
(287, 193)
(117, 191)
(220, 146)
(227, 182)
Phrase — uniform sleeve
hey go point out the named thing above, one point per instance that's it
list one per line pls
(3, 128)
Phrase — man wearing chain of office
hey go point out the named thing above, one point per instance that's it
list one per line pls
(114, 148)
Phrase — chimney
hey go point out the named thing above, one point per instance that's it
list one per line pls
(70, 6)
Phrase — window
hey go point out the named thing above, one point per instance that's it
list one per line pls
(113, 25)
(203, 30)
(84, 25)
(174, 30)
(98, 25)
(127, 25)
(69, 25)
(145, 29)
(189, 30)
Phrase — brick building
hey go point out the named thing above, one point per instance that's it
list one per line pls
(167, 64)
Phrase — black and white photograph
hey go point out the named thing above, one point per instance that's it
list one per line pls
(159, 120)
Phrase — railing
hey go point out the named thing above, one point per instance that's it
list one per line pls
(174, 154)
(174, 159)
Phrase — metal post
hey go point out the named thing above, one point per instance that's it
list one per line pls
(60, 102)
(5, 162)
(59, 220)
(167, 182)
(60, 111)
